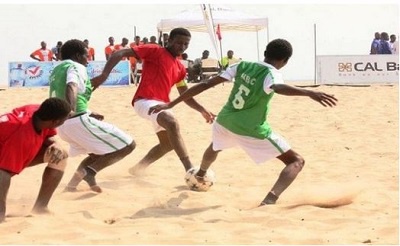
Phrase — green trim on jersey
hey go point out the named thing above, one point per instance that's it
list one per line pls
(58, 85)
(246, 111)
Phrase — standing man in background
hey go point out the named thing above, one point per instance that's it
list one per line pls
(90, 50)
(42, 54)
(375, 44)
(110, 48)
(56, 51)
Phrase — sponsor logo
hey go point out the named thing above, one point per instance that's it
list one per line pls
(367, 66)
(34, 72)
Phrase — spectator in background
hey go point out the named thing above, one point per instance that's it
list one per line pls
(109, 48)
(384, 47)
(123, 45)
(375, 44)
(90, 50)
(136, 42)
(188, 64)
(56, 51)
(164, 41)
(394, 45)
(145, 40)
(228, 59)
(42, 54)
(153, 40)
(195, 71)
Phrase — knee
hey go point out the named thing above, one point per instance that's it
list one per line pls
(169, 122)
(299, 163)
(131, 146)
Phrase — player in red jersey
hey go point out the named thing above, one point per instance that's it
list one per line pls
(161, 71)
(26, 139)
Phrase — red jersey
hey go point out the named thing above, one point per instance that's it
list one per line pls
(161, 71)
(19, 142)
(44, 55)
(90, 53)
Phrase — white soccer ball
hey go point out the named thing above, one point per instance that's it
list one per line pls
(193, 184)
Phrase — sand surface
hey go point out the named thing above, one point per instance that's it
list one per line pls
(347, 193)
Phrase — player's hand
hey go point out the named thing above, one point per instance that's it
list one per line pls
(157, 108)
(56, 153)
(324, 99)
(209, 116)
(97, 116)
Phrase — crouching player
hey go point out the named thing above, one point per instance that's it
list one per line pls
(26, 139)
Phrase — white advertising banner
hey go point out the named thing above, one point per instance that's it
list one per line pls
(361, 69)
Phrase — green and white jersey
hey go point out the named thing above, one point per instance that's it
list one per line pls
(247, 108)
(71, 72)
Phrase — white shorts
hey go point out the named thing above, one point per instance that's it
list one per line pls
(142, 107)
(87, 135)
(259, 150)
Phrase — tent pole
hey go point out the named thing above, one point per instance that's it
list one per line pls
(258, 48)
(315, 54)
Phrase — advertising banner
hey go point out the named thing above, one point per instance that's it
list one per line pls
(363, 69)
(36, 74)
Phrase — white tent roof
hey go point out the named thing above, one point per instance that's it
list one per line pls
(228, 19)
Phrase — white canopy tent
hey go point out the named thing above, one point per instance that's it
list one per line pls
(227, 18)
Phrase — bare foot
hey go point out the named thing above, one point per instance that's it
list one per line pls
(41, 210)
(137, 170)
(70, 189)
(96, 188)
(75, 180)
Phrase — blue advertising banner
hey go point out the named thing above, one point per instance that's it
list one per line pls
(36, 74)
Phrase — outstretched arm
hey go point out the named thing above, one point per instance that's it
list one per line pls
(207, 115)
(321, 97)
(111, 62)
(187, 94)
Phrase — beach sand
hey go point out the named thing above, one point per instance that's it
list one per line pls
(347, 193)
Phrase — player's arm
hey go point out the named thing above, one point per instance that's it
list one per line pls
(186, 94)
(71, 94)
(33, 56)
(111, 63)
(321, 97)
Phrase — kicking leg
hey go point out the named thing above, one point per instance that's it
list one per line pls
(170, 124)
(93, 164)
(209, 157)
(294, 164)
(154, 154)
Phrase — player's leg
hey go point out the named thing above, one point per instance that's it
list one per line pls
(106, 143)
(154, 153)
(5, 180)
(93, 164)
(294, 164)
(167, 120)
(51, 178)
(103, 161)
(209, 156)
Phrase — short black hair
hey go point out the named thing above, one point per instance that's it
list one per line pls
(278, 49)
(71, 48)
(53, 109)
(179, 31)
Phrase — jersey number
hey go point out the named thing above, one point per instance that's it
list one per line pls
(238, 102)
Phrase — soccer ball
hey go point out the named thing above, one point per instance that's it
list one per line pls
(193, 184)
